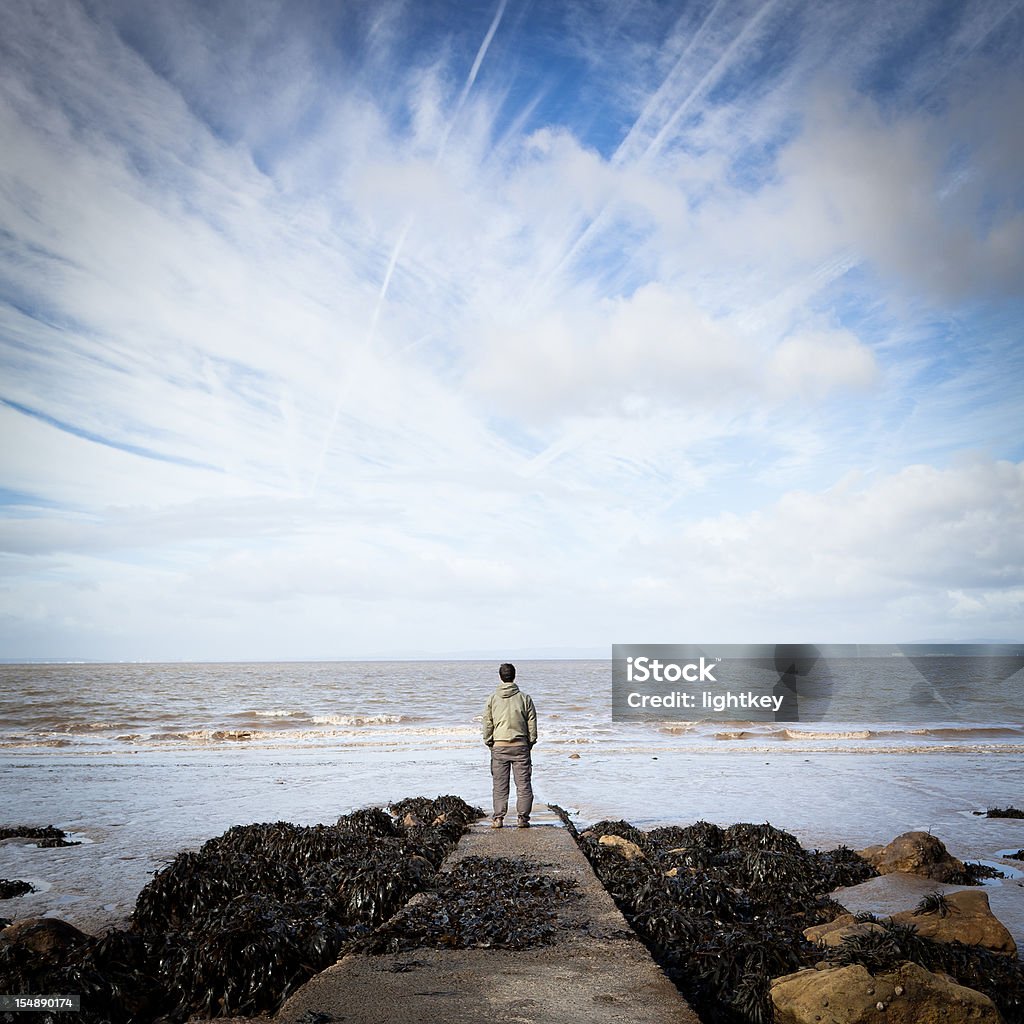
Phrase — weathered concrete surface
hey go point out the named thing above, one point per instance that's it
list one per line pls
(597, 970)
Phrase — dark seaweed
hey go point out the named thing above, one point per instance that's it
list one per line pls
(483, 902)
(47, 835)
(372, 822)
(761, 837)
(453, 808)
(701, 834)
(563, 816)
(934, 903)
(248, 956)
(723, 912)
(114, 975)
(974, 874)
(234, 927)
(1001, 812)
(11, 887)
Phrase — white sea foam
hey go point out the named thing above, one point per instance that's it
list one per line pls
(357, 719)
(131, 707)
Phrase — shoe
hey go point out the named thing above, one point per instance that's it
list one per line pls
(497, 823)
(523, 823)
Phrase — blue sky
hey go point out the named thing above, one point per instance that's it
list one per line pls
(331, 329)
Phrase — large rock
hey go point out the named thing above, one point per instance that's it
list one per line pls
(968, 919)
(844, 926)
(45, 936)
(917, 853)
(849, 995)
(628, 850)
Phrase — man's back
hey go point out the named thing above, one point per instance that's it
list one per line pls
(510, 716)
(510, 730)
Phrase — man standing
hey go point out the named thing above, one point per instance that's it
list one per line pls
(510, 730)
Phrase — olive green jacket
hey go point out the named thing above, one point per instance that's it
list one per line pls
(509, 714)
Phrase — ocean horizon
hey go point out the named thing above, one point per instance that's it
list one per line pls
(883, 702)
(141, 761)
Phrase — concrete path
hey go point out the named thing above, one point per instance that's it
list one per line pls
(596, 971)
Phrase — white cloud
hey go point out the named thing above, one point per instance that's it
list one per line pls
(474, 342)
(811, 364)
(925, 196)
(898, 557)
(919, 553)
(659, 348)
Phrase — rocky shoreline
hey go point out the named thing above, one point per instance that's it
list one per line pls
(232, 928)
(740, 918)
(742, 921)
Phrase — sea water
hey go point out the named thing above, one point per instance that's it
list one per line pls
(141, 761)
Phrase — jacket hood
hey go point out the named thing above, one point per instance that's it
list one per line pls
(507, 689)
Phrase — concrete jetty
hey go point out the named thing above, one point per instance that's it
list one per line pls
(597, 970)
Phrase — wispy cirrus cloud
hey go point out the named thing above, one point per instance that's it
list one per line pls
(307, 307)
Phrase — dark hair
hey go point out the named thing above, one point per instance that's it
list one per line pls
(507, 672)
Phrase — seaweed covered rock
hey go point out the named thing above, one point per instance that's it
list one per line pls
(11, 887)
(370, 890)
(745, 836)
(46, 937)
(1001, 812)
(916, 853)
(850, 995)
(963, 917)
(625, 880)
(372, 822)
(453, 809)
(233, 927)
(622, 829)
(700, 835)
(884, 950)
(621, 846)
(44, 835)
(365, 866)
(841, 867)
(197, 882)
(725, 911)
(247, 956)
(113, 974)
(722, 910)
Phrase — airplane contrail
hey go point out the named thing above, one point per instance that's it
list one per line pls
(471, 77)
(654, 145)
(646, 115)
(396, 252)
(349, 379)
(723, 62)
(482, 52)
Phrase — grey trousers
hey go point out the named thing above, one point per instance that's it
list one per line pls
(517, 759)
